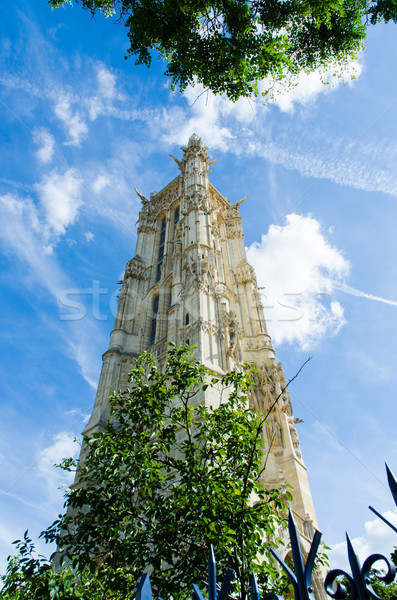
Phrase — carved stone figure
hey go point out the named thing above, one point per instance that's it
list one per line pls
(294, 435)
(144, 200)
(233, 210)
(234, 335)
(276, 432)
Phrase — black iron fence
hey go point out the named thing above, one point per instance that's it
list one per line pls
(338, 584)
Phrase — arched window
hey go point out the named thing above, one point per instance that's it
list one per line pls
(154, 320)
(187, 319)
(161, 249)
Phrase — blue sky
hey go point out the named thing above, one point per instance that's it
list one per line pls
(80, 129)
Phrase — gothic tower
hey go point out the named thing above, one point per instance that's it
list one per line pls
(190, 282)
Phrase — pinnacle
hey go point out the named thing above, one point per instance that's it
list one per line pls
(194, 139)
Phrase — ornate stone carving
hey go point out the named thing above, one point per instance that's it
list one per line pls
(220, 290)
(135, 269)
(270, 384)
(195, 148)
(147, 223)
(258, 343)
(191, 270)
(245, 274)
(215, 231)
(219, 204)
(204, 205)
(193, 199)
(201, 325)
(234, 230)
(206, 278)
(164, 199)
(266, 386)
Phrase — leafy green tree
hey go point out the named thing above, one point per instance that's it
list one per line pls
(230, 45)
(32, 577)
(169, 476)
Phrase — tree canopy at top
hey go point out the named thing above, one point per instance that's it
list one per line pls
(230, 45)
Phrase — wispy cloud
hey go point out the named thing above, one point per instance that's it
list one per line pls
(23, 235)
(72, 120)
(47, 140)
(348, 289)
(102, 100)
(243, 127)
(347, 164)
(63, 446)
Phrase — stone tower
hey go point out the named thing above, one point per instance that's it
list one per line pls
(190, 282)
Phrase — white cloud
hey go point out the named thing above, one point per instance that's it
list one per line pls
(106, 82)
(308, 86)
(377, 538)
(208, 112)
(102, 101)
(73, 121)
(241, 127)
(46, 152)
(63, 446)
(204, 117)
(60, 199)
(100, 183)
(297, 266)
(89, 236)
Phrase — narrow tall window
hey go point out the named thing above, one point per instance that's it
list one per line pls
(176, 215)
(161, 249)
(154, 321)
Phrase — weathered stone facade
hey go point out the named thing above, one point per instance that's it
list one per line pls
(190, 282)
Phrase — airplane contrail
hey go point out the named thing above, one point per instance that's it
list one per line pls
(343, 287)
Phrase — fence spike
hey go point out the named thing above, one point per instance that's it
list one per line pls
(392, 483)
(355, 569)
(227, 580)
(197, 592)
(211, 575)
(144, 590)
(254, 588)
(212, 589)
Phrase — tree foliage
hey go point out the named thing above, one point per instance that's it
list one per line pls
(167, 477)
(32, 577)
(230, 45)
